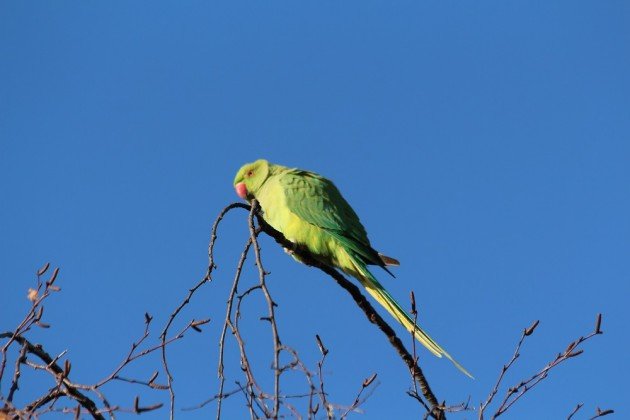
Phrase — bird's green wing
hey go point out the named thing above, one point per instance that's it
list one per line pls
(317, 201)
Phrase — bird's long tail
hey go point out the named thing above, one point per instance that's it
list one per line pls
(381, 295)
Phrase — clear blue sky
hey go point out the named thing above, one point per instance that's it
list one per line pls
(484, 144)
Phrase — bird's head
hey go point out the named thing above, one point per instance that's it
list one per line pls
(250, 177)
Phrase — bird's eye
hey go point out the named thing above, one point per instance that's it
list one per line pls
(250, 173)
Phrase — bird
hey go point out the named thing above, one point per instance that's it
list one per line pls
(310, 212)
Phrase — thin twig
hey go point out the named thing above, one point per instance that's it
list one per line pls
(517, 391)
(270, 308)
(16, 374)
(601, 413)
(575, 410)
(227, 323)
(357, 400)
(191, 292)
(526, 333)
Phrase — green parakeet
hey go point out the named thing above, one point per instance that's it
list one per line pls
(310, 211)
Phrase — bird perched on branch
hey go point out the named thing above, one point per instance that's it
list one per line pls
(310, 212)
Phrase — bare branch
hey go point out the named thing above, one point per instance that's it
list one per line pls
(270, 307)
(191, 292)
(599, 412)
(575, 410)
(516, 392)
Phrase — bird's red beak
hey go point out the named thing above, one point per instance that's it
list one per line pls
(241, 190)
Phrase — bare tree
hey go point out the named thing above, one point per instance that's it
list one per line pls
(79, 399)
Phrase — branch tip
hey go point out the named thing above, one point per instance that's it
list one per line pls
(53, 277)
(575, 353)
(529, 331)
(43, 270)
(598, 324)
(320, 344)
(601, 413)
(368, 381)
(412, 296)
(195, 324)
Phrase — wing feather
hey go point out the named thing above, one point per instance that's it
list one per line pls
(317, 200)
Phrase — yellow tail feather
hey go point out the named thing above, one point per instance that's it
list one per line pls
(384, 298)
